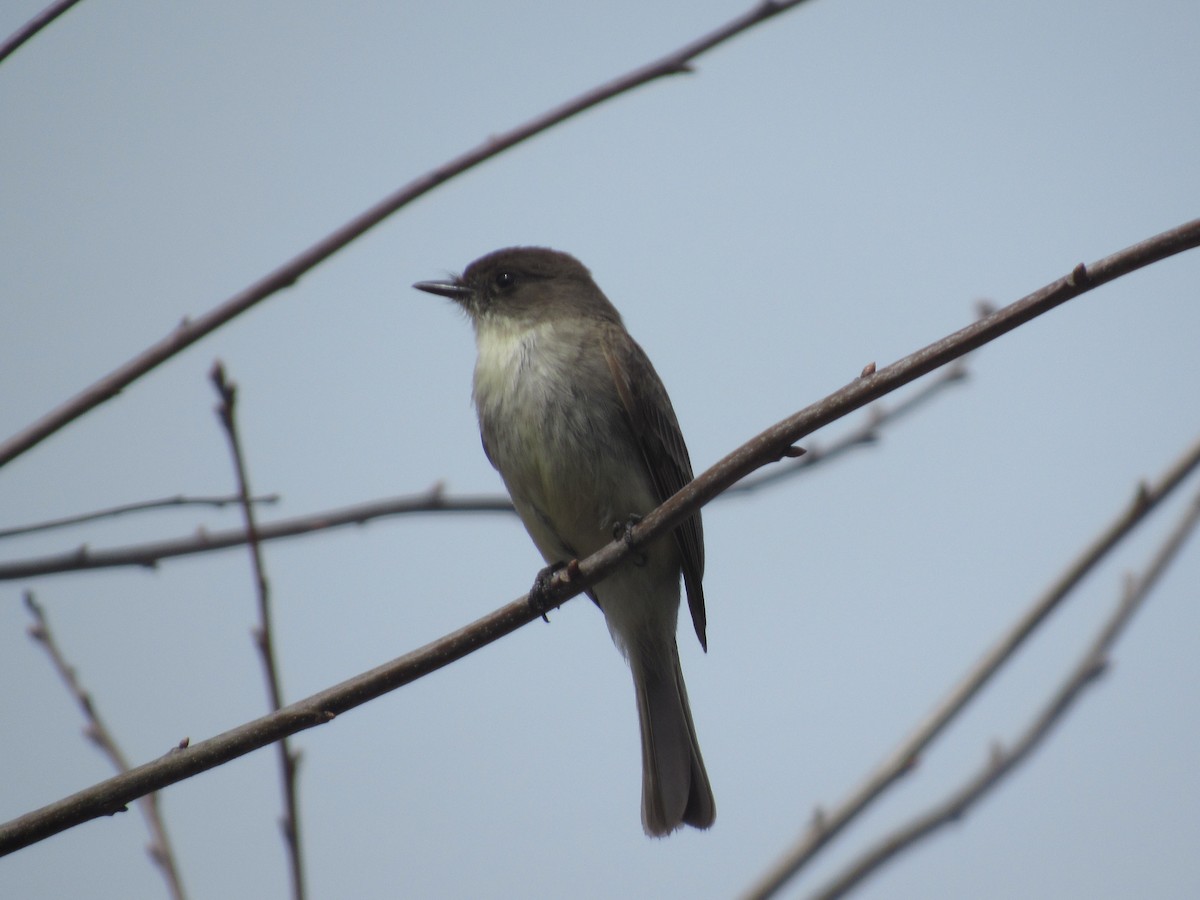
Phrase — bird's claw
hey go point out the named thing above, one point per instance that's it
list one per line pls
(539, 593)
(623, 531)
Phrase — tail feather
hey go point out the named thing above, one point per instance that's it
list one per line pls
(675, 788)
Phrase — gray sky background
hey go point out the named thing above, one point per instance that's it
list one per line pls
(836, 187)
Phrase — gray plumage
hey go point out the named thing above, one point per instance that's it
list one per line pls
(580, 427)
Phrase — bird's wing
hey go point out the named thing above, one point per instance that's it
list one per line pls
(653, 422)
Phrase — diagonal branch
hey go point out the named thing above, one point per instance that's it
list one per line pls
(1093, 664)
(903, 759)
(160, 845)
(264, 634)
(771, 445)
(33, 26)
(866, 433)
(290, 272)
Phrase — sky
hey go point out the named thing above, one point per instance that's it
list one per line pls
(838, 186)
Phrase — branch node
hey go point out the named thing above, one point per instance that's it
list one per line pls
(956, 371)
(984, 308)
(437, 493)
(996, 754)
(1129, 586)
(818, 818)
(1141, 498)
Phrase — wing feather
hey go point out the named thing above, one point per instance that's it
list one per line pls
(652, 420)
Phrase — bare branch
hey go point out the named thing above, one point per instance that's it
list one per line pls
(179, 500)
(866, 433)
(149, 555)
(1001, 763)
(904, 758)
(188, 332)
(264, 635)
(97, 732)
(33, 26)
(768, 447)
(435, 501)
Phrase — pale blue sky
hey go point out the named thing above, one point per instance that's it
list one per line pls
(836, 187)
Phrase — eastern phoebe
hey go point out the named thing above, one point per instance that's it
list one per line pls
(580, 427)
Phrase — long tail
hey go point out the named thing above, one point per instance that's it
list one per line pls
(675, 789)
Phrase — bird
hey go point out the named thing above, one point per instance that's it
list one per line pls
(580, 427)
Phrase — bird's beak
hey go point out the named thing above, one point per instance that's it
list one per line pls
(451, 289)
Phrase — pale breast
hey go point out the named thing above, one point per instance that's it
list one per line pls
(553, 426)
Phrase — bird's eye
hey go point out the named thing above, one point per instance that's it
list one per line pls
(504, 280)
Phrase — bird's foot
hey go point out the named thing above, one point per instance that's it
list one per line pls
(623, 531)
(539, 594)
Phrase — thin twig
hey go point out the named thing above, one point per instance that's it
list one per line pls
(179, 500)
(33, 26)
(877, 416)
(1093, 664)
(904, 758)
(150, 554)
(97, 732)
(264, 635)
(190, 331)
(764, 449)
(436, 501)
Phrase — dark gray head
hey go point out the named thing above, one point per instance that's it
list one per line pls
(529, 283)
